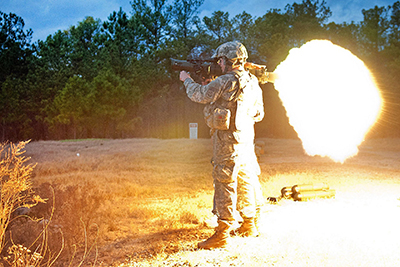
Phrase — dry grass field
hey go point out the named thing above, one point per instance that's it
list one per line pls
(147, 202)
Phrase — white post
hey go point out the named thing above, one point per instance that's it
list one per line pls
(193, 130)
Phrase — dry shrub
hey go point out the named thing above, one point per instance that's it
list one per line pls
(76, 211)
(26, 235)
(22, 256)
(16, 194)
(72, 230)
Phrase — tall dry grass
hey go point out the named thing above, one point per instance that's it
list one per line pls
(17, 196)
(126, 192)
(147, 202)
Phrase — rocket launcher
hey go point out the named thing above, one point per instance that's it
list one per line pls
(307, 195)
(304, 192)
(203, 69)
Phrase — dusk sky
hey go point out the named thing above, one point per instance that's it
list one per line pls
(46, 17)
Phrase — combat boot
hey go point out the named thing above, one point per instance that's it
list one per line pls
(248, 228)
(219, 239)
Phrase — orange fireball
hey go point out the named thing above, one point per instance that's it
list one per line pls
(330, 97)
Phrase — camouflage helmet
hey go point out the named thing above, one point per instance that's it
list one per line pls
(231, 50)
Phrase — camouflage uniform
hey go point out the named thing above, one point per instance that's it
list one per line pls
(235, 166)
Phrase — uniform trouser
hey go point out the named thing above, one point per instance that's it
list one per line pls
(235, 174)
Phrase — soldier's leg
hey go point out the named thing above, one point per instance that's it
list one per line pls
(249, 193)
(224, 206)
(247, 206)
(224, 174)
(225, 185)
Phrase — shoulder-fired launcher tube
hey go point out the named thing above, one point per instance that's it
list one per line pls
(303, 192)
(204, 68)
(301, 196)
(209, 68)
(309, 187)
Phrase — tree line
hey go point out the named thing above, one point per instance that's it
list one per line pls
(113, 79)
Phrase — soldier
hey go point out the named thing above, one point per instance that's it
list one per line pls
(233, 104)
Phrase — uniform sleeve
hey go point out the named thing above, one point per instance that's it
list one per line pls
(205, 94)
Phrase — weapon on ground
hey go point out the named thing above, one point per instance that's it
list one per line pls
(209, 69)
(304, 192)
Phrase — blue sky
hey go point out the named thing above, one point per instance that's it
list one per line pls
(45, 17)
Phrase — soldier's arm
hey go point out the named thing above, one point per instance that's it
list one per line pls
(205, 94)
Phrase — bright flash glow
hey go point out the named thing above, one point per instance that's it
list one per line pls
(330, 97)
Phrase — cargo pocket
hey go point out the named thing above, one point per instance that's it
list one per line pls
(224, 173)
(221, 118)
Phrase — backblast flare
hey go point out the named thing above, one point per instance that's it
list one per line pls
(304, 192)
(260, 71)
(209, 69)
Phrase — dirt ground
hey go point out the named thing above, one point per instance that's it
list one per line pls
(365, 205)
